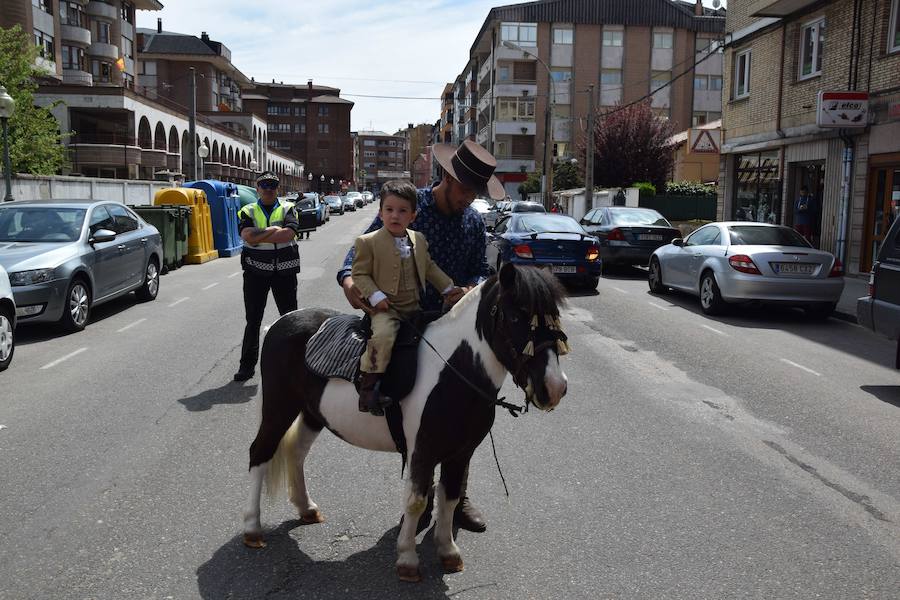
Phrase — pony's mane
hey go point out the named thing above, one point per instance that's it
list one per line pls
(538, 291)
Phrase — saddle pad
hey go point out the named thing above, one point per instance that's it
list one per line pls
(335, 349)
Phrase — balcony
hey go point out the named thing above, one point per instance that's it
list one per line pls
(517, 127)
(101, 50)
(509, 89)
(102, 10)
(504, 53)
(105, 154)
(778, 8)
(76, 77)
(153, 158)
(515, 164)
(173, 162)
(76, 36)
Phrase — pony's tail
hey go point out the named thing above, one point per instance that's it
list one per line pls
(283, 466)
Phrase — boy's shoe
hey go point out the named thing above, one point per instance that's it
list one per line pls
(370, 398)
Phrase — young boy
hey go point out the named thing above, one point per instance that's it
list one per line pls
(390, 269)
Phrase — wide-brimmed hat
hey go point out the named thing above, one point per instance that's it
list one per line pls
(472, 166)
(267, 176)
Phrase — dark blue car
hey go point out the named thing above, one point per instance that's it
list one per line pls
(552, 241)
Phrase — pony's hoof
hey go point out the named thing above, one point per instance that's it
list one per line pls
(254, 540)
(410, 574)
(312, 516)
(452, 564)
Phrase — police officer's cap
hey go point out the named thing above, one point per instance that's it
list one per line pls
(267, 176)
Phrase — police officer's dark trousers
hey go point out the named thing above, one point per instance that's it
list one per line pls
(256, 292)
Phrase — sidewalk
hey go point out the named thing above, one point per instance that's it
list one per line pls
(855, 286)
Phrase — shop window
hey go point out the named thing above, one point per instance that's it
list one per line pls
(812, 41)
(757, 188)
(742, 74)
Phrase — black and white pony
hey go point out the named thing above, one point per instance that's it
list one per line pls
(508, 324)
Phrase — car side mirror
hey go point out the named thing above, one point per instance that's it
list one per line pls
(102, 235)
(678, 242)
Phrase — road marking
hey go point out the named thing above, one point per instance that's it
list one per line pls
(714, 330)
(212, 285)
(127, 327)
(64, 358)
(235, 274)
(659, 306)
(620, 290)
(179, 301)
(801, 367)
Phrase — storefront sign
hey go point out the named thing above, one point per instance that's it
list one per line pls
(843, 109)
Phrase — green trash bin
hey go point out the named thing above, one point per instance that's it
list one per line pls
(164, 219)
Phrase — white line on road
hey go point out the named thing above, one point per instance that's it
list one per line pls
(64, 358)
(212, 285)
(620, 290)
(127, 327)
(659, 306)
(179, 301)
(801, 367)
(714, 330)
(235, 274)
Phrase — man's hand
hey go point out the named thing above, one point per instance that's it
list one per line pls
(354, 297)
(454, 295)
(382, 306)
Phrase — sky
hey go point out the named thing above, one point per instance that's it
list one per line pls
(408, 48)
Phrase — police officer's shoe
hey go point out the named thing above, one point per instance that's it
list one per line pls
(467, 517)
(243, 374)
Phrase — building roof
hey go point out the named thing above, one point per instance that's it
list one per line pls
(174, 43)
(373, 133)
(330, 100)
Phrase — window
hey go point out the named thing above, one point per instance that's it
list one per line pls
(503, 73)
(698, 119)
(125, 221)
(300, 111)
(323, 111)
(368, 142)
(715, 82)
(613, 38)
(524, 71)
(523, 34)
(662, 41)
(323, 127)
(283, 111)
(659, 79)
(742, 74)
(71, 13)
(894, 32)
(515, 109)
(102, 71)
(561, 75)
(102, 32)
(300, 128)
(812, 39)
(128, 12)
(147, 67)
(706, 236)
(279, 127)
(44, 41)
(127, 48)
(128, 81)
(611, 76)
(100, 219)
(562, 36)
(44, 5)
(369, 154)
(701, 82)
(73, 58)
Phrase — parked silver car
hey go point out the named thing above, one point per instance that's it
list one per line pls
(7, 321)
(749, 262)
(66, 256)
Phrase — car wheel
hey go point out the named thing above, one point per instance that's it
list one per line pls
(820, 312)
(7, 338)
(654, 277)
(77, 309)
(150, 288)
(591, 283)
(710, 298)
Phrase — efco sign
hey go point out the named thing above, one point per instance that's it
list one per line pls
(843, 109)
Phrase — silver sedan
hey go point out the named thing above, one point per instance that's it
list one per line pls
(66, 256)
(741, 262)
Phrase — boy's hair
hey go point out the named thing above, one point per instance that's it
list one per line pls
(400, 188)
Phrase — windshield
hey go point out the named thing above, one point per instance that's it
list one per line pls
(305, 204)
(40, 224)
(637, 216)
(332, 199)
(540, 223)
(528, 207)
(743, 235)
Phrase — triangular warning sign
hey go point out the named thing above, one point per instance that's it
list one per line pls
(705, 143)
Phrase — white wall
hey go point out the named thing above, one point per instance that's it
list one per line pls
(29, 187)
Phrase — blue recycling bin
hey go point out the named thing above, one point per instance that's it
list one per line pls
(224, 204)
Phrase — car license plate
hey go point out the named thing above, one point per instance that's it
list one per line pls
(794, 268)
(562, 269)
(650, 237)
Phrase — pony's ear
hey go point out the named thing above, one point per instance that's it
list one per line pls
(508, 276)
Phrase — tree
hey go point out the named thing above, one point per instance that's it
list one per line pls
(35, 143)
(632, 144)
(566, 176)
(532, 185)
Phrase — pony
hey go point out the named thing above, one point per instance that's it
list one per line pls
(507, 324)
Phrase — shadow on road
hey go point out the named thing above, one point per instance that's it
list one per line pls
(32, 333)
(889, 394)
(282, 570)
(230, 393)
(624, 272)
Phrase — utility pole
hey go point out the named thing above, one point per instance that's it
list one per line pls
(589, 159)
(192, 124)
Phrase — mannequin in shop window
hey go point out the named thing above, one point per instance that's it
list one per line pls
(805, 209)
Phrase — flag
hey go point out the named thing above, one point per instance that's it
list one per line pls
(121, 64)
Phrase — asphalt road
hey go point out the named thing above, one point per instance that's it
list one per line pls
(749, 456)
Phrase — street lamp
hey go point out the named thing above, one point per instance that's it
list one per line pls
(548, 167)
(202, 152)
(7, 107)
(332, 184)
(254, 166)
(321, 182)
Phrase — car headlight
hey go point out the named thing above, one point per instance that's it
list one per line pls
(30, 277)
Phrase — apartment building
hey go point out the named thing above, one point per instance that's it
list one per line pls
(382, 157)
(418, 138)
(310, 123)
(92, 55)
(533, 63)
(780, 135)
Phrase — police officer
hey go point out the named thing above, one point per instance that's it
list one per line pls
(270, 260)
